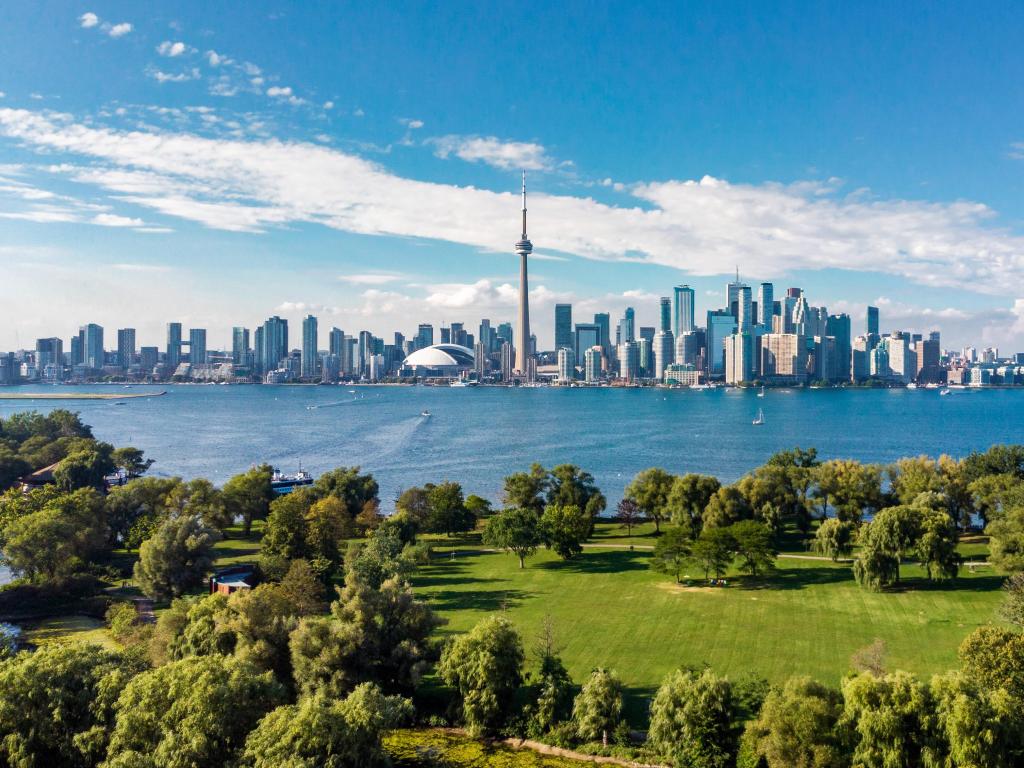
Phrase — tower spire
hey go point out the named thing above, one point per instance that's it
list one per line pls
(524, 205)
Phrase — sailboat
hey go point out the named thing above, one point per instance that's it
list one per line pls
(761, 393)
(760, 418)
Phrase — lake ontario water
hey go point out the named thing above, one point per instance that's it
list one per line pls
(476, 436)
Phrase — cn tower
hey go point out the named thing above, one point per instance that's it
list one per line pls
(524, 248)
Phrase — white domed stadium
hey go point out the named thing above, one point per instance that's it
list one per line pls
(440, 360)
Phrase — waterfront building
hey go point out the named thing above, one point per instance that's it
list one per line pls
(125, 347)
(272, 344)
(335, 342)
(734, 298)
(823, 365)
(902, 360)
(629, 360)
(664, 352)
(682, 310)
(50, 352)
(505, 333)
(860, 363)
(563, 326)
(240, 345)
(197, 346)
(872, 322)
(92, 346)
(765, 306)
(310, 341)
(739, 357)
(75, 350)
(173, 351)
(523, 249)
(480, 356)
(508, 357)
(928, 357)
(592, 364)
(721, 324)
(683, 375)
(486, 336)
(783, 358)
(879, 360)
(665, 314)
(690, 347)
(644, 352)
(587, 335)
(626, 329)
(149, 358)
(839, 328)
(566, 365)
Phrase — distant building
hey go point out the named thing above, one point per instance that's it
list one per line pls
(566, 365)
(49, 352)
(563, 327)
(240, 345)
(149, 358)
(682, 310)
(783, 358)
(664, 352)
(173, 353)
(739, 357)
(92, 346)
(592, 364)
(125, 347)
(629, 361)
(440, 360)
(721, 324)
(310, 355)
(683, 375)
(838, 327)
(197, 346)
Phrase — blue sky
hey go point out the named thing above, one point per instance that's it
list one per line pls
(215, 163)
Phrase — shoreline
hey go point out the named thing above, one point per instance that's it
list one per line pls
(77, 395)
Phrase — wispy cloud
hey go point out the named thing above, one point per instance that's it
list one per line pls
(119, 30)
(505, 155)
(113, 220)
(167, 48)
(370, 278)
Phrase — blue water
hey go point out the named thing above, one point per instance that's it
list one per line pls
(477, 436)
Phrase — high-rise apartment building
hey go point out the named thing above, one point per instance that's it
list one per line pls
(872, 321)
(604, 321)
(240, 345)
(682, 310)
(592, 364)
(50, 358)
(838, 327)
(665, 314)
(566, 365)
(424, 336)
(626, 330)
(765, 306)
(310, 340)
(173, 351)
(783, 356)
(563, 326)
(125, 347)
(272, 344)
(587, 335)
(92, 346)
(664, 352)
(629, 360)
(197, 346)
(721, 323)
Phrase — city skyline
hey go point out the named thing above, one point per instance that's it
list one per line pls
(172, 164)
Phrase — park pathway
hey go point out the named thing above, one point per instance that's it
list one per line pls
(144, 608)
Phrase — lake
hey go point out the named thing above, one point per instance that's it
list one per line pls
(476, 436)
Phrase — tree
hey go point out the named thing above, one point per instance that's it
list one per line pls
(347, 484)
(993, 495)
(285, 532)
(754, 545)
(671, 552)
(447, 510)
(628, 514)
(514, 530)
(378, 560)
(570, 486)
(597, 709)
(713, 551)
(261, 621)
(373, 635)
(193, 626)
(884, 541)
(796, 727)
(849, 487)
(936, 546)
(997, 460)
(888, 719)
(58, 540)
(554, 686)
(525, 490)
(248, 495)
(1012, 609)
(85, 468)
(12, 467)
(688, 498)
(131, 461)
(327, 525)
(693, 720)
(136, 509)
(993, 657)
(564, 529)
(57, 704)
(321, 733)
(728, 505)
(834, 538)
(194, 712)
(199, 497)
(478, 506)
(485, 667)
(979, 726)
(650, 489)
(1006, 540)
(913, 475)
(176, 558)
(415, 503)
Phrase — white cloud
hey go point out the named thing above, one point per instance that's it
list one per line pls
(113, 220)
(697, 226)
(328, 105)
(370, 279)
(140, 267)
(411, 123)
(120, 30)
(506, 155)
(167, 48)
(88, 20)
(173, 77)
(215, 59)
(278, 91)
(3, 95)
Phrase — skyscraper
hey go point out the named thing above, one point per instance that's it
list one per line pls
(682, 310)
(274, 346)
(125, 347)
(604, 321)
(765, 305)
(592, 364)
(173, 344)
(197, 346)
(873, 321)
(239, 345)
(721, 323)
(838, 326)
(664, 352)
(744, 309)
(566, 365)
(310, 337)
(665, 314)
(334, 343)
(563, 326)
(92, 346)
(626, 330)
(587, 335)
(50, 352)
(424, 336)
(523, 248)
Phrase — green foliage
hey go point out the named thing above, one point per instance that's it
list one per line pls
(122, 620)
(565, 528)
(997, 460)
(247, 496)
(192, 626)
(628, 514)
(446, 510)
(797, 728)
(525, 490)
(57, 704)
(755, 547)
(650, 489)
(136, 509)
(285, 532)
(713, 551)
(373, 635)
(883, 542)
(834, 538)
(485, 668)
(993, 495)
(345, 483)
(728, 505)
(176, 558)
(323, 733)
(478, 506)
(979, 726)
(569, 486)
(553, 686)
(1012, 609)
(672, 551)
(57, 540)
(993, 657)
(1006, 540)
(936, 546)
(515, 530)
(193, 713)
(378, 560)
(849, 487)
(85, 468)
(131, 461)
(597, 709)
(890, 720)
(692, 720)
(688, 498)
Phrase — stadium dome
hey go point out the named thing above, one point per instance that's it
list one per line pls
(440, 357)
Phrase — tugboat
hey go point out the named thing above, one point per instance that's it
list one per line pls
(282, 483)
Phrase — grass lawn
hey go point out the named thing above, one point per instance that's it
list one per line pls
(609, 609)
(65, 629)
